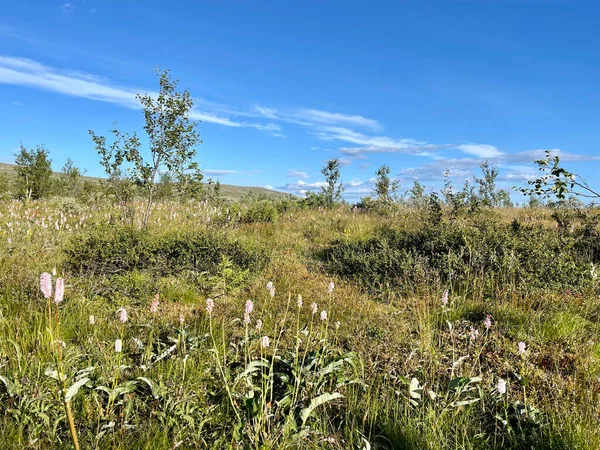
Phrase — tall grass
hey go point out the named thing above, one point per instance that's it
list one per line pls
(390, 364)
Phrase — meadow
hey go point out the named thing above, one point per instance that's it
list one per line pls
(268, 325)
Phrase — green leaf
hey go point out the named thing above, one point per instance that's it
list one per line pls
(74, 388)
(154, 388)
(10, 388)
(317, 401)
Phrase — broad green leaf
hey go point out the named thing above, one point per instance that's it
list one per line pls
(74, 388)
(317, 401)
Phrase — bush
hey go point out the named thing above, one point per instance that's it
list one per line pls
(486, 258)
(263, 211)
(108, 251)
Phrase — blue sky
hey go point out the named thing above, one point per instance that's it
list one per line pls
(281, 86)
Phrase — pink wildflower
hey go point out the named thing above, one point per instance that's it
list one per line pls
(249, 306)
(46, 284)
(210, 304)
(445, 298)
(122, 315)
(154, 305)
(59, 292)
(330, 288)
(323, 315)
(313, 308)
(259, 325)
(521, 347)
(488, 322)
(264, 341)
(473, 334)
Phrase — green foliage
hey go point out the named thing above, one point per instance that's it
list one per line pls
(331, 193)
(69, 180)
(262, 211)
(416, 194)
(33, 169)
(556, 181)
(488, 194)
(4, 186)
(118, 250)
(171, 139)
(488, 258)
(385, 189)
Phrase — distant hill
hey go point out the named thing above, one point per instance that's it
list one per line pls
(228, 191)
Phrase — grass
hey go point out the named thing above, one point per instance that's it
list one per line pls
(402, 371)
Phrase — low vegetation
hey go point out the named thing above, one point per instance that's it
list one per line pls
(313, 329)
(149, 311)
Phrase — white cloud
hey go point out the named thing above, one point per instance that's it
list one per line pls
(269, 187)
(513, 167)
(297, 174)
(218, 172)
(326, 117)
(356, 182)
(25, 72)
(66, 7)
(300, 186)
(480, 150)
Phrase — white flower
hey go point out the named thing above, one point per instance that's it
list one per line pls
(521, 347)
(264, 341)
(118, 346)
(259, 325)
(331, 287)
(313, 308)
(92, 320)
(299, 301)
(122, 315)
(501, 386)
(323, 315)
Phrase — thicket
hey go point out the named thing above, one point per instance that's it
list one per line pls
(117, 250)
(480, 257)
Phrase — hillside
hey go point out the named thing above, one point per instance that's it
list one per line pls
(228, 191)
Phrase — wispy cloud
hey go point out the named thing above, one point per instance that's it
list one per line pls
(26, 72)
(514, 167)
(219, 172)
(480, 150)
(325, 125)
(325, 117)
(65, 7)
(297, 174)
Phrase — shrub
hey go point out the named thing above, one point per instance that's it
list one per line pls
(263, 211)
(108, 251)
(486, 258)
